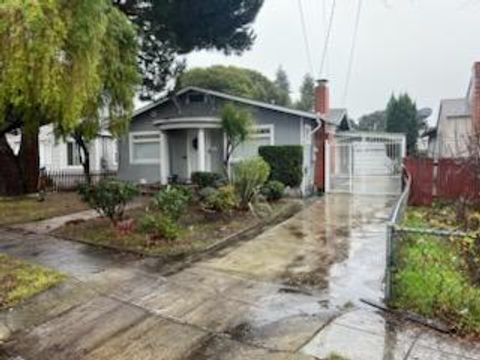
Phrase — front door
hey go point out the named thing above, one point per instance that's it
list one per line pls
(177, 141)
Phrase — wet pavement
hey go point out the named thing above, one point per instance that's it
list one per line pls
(293, 292)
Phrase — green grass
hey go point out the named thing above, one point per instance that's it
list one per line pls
(433, 276)
(20, 280)
(25, 209)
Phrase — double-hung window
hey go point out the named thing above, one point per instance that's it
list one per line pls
(260, 135)
(73, 154)
(145, 147)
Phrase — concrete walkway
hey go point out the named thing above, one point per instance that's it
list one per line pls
(291, 293)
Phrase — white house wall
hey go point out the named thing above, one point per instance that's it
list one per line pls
(53, 152)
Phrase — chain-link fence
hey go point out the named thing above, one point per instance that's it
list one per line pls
(429, 246)
(395, 221)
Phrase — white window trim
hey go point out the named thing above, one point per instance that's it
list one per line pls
(255, 135)
(132, 142)
(71, 167)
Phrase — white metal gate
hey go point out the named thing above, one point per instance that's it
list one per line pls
(364, 163)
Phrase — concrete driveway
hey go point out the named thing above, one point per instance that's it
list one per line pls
(291, 293)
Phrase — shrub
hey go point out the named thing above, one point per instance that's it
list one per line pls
(109, 197)
(206, 179)
(206, 192)
(286, 163)
(273, 190)
(248, 177)
(160, 226)
(221, 200)
(172, 201)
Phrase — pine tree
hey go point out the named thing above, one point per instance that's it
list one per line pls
(283, 86)
(307, 94)
(402, 118)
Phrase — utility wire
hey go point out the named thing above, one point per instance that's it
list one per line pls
(305, 37)
(352, 51)
(327, 37)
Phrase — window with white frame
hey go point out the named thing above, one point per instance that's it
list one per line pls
(73, 154)
(144, 147)
(261, 135)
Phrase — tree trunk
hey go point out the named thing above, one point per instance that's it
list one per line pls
(29, 160)
(11, 182)
(85, 159)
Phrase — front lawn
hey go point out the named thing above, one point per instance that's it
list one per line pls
(26, 209)
(199, 230)
(20, 280)
(439, 276)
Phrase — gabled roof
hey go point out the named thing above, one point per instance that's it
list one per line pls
(454, 107)
(335, 117)
(449, 108)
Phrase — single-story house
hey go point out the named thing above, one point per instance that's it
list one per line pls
(181, 134)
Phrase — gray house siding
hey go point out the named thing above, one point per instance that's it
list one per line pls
(288, 130)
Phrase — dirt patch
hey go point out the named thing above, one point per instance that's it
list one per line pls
(200, 231)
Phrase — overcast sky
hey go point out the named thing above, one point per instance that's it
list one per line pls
(423, 47)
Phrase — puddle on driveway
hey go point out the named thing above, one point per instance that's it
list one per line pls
(336, 245)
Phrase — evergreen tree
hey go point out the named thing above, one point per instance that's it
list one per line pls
(307, 94)
(402, 118)
(283, 85)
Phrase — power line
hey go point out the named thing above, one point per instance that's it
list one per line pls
(327, 37)
(352, 51)
(305, 37)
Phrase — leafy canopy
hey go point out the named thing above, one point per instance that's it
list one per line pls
(171, 28)
(232, 80)
(63, 60)
(236, 124)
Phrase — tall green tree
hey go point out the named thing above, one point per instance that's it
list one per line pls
(232, 80)
(402, 117)
(307, 94)
(170, 28)
(283, 85)
(60, 62)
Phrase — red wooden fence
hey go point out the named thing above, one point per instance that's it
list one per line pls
(446, 179)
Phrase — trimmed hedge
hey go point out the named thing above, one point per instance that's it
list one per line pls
(286, 163)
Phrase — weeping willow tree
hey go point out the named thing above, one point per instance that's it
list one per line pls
(62, 62)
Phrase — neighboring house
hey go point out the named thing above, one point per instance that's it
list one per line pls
(451, 137)
(58, 155)
(182, 134)
(458, 121)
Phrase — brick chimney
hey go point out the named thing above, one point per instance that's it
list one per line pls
(322, 97)
(475, 97)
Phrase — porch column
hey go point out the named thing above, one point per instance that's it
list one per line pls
(201, 149)
(164, 158)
